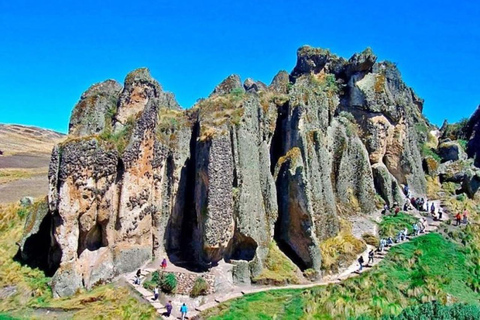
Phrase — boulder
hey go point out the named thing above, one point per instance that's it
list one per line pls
(26, 201)
(430, 166)
(450, 151)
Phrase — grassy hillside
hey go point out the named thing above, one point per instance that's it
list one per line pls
(430, 267)
(25, 292)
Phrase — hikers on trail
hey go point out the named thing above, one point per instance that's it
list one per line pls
(385, 209)
(389, 241)
(164, 263)
(406, 189)
(169, 308)
(371, 254)
(465, 216)
(440, 213)
(155, 294)
(458, 218)
(399, 236)
(413, 201)
(416, 230)
(360, 262)
(383, 242)
(183, 311)
(432, 208)
(137, 277)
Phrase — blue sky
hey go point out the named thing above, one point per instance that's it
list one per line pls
(52, 51)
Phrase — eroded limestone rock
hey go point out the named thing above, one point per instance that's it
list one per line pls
(140, 178)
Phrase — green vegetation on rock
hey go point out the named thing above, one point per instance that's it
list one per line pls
(278, 268)
(200, 287)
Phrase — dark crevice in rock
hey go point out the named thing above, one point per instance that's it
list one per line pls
(181, 242)
(277, 147)
(119, 184)
(38, 249)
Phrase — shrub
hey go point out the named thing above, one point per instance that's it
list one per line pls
(200, 288)
(371, 239)
(168, 282)
(311, 274)
(153, 282)
(391, 225)
(434, 310)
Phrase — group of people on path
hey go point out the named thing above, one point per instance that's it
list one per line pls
(418, 227)
(459, 216)
(420, 204)
(168, 305)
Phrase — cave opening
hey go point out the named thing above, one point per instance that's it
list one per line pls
(241, 248)
(40, 250)
(93, 239)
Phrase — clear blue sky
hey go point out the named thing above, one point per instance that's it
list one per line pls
(52, 51)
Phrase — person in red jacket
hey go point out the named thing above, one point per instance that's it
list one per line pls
(458, 217)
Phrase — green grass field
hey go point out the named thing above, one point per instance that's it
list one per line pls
(425, 269)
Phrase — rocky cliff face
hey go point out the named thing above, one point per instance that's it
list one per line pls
(140, 178)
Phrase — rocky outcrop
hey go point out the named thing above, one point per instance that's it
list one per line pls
(450, 151)
(140, 178)
(473, 135)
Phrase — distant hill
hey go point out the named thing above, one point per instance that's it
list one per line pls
(24, 158)
(16, 138)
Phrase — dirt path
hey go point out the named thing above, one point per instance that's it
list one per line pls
(196, 306)
(35, 186)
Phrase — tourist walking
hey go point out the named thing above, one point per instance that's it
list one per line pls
(183, 311)
(155, 294)
(371, 254)
(465, 216)
(458, 218)
(415, 229)
(382, 245)
(169, 308)
(164, 264)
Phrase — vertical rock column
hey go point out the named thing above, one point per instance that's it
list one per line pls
(214, 197)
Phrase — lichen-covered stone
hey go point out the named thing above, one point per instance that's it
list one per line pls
(95, 108)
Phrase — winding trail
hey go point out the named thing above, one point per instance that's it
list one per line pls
(215, 299)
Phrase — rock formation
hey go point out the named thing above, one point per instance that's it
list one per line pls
(140, 178)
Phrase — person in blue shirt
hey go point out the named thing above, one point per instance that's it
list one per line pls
(183, 311)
